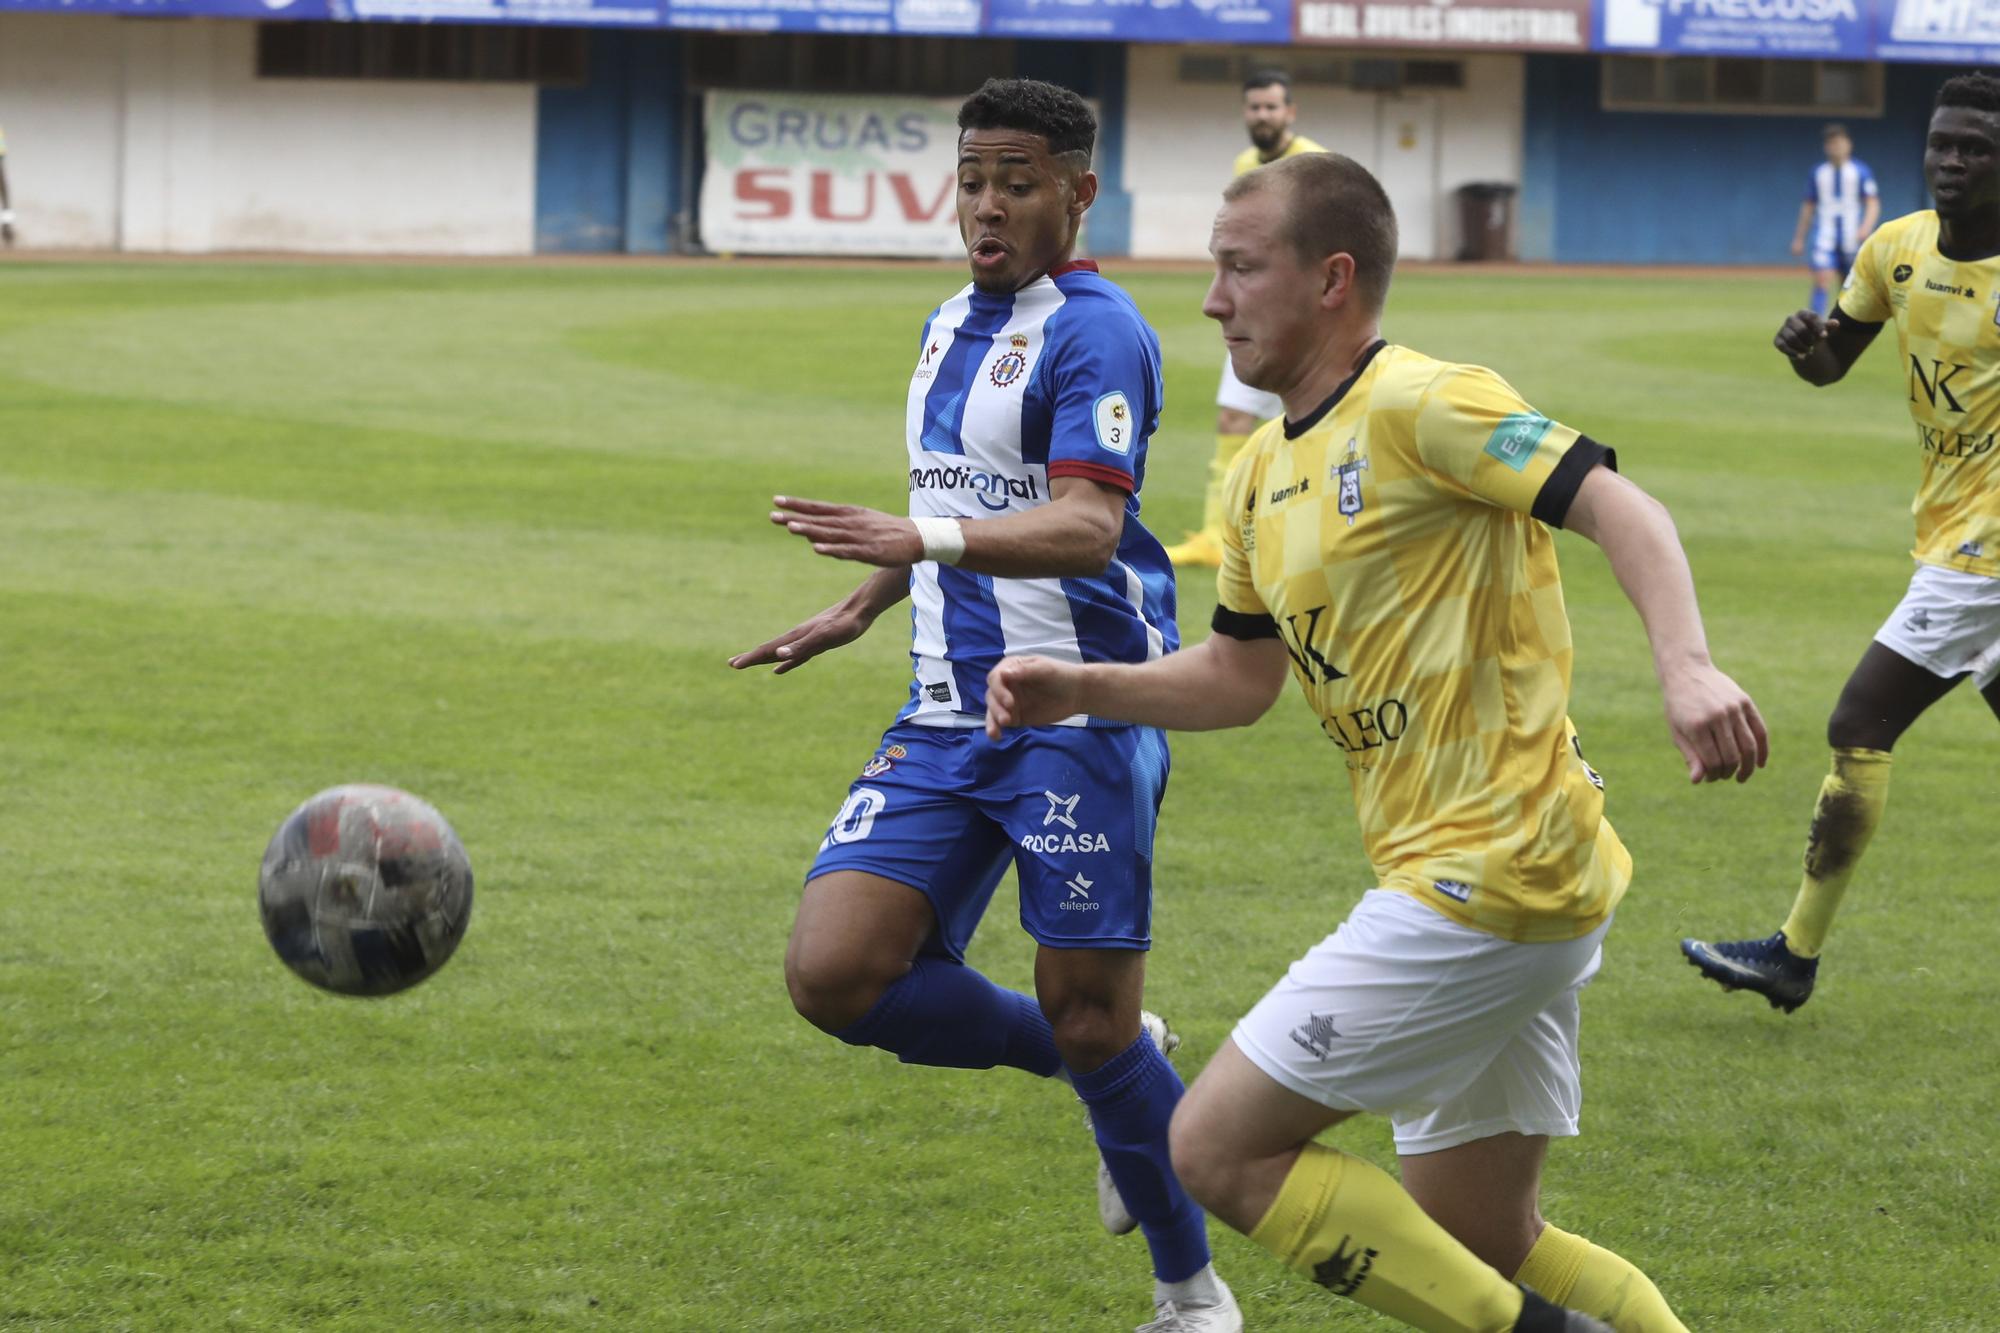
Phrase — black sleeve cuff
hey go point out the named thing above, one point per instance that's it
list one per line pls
(1552, 505)
(1848, 321)
(1240, 625)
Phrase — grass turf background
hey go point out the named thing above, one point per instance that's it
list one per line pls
(488, 533)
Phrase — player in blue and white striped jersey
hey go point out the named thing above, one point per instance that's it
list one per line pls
(1034, 396)
(1840, 208)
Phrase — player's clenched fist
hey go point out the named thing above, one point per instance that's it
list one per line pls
(1804, 331)
(1031, 692)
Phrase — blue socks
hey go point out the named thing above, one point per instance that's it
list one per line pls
(944, 1013)
(1818, 306)
(1131, 1099)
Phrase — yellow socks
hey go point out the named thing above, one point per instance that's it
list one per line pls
(1348, 1226)
(1850, 806)
(1226, 449)
(1570, 1271)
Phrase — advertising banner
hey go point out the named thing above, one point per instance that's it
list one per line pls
(1960, 32)
(818, 174)
(568, 13)
(1461, 25)
(229, 9)
(835, 16)
(1268, 21)
(1805, 29)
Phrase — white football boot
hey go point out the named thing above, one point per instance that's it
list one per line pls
(1110, 1208)
(1212, 1311)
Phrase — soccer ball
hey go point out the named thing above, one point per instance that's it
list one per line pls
(365, 890)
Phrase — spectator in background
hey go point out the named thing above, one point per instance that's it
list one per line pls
(1841, 197)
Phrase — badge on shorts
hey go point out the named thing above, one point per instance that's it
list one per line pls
(1113, 416)
(1317, 1034)
(1514, 440)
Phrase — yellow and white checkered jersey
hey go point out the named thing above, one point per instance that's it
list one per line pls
(1396, 541)
(1947, 317)
(1252, 158)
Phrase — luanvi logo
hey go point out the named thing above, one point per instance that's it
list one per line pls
(1317, 1034)
(1302, 486)
(1343, 1271)
(1902, 273)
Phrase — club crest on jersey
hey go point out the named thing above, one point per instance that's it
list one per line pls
(1009, 366)
(876, 767)
(1348, 473)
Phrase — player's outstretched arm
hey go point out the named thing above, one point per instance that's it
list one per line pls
(1714, 724)
(1220, 682)
(1823, 350)
(1073, 536)
(838, 625)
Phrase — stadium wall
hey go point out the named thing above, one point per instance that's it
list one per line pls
(158, 135)
(1626, 187)
(1182, 137)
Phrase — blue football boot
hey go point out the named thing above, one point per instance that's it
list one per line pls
(1764, 966)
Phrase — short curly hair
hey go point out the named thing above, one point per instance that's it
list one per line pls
(1054, 112)
(1980, 92)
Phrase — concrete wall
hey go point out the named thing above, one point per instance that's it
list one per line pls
(1182, 137)
(146, 135)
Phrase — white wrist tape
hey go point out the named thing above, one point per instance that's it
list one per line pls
(944, 539)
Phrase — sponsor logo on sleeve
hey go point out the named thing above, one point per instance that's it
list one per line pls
(1113, 417)
(1514, 440)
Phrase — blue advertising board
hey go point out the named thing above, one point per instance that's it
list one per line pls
(229, 9)
(1959, 32)
(1263, 21)
(1800, 29)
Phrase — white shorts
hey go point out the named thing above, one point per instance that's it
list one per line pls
(1948, 623)
(1455, 1034)
(1237, 396)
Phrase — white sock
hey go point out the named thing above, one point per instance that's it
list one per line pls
(1201, 1289)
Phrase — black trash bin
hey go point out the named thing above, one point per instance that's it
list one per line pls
(1486, 215)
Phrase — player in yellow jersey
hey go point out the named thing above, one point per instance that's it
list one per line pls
(1937, 275)
(1268, 113)
(1389, 545)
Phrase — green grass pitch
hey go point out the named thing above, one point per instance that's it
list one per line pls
(488, 533)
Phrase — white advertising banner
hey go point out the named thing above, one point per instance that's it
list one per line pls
(825, 174)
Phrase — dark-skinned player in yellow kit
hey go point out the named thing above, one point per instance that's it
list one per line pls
(1937, 275)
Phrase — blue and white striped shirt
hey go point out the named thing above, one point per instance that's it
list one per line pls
(1061, 378)
(1837, 194)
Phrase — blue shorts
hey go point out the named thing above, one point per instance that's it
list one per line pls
(945, 811)
(1827, 257)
